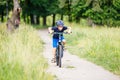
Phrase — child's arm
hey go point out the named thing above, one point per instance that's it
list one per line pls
(50, 30)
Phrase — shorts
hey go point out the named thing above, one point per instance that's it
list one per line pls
(55, 42)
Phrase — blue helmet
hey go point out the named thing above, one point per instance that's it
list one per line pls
(60, 23)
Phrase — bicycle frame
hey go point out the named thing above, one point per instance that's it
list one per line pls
(60, 36)
(59, 43)
(59, 50)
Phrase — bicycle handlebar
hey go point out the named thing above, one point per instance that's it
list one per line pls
(60, 33)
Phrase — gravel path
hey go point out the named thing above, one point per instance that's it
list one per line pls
(73, 68)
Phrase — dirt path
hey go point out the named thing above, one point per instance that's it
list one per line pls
(74, 68)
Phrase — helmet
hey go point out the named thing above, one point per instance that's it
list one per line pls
(60, 23)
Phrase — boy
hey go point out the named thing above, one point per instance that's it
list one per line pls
(59, 28)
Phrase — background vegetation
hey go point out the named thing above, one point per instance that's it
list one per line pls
(100, 12)
(21, 55)
(99, 45)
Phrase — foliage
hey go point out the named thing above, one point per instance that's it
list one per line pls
(101, 12)
(40, 7)
(3, 6)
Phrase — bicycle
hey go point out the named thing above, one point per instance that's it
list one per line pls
(59, 50)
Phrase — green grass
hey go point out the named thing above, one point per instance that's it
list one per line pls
(70, 67)
(40, 27)
(21, 55)
(99, 45)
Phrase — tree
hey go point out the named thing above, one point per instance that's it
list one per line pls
(79, 9)
(66, 9)
(50, 7)
(39, 8)
(53, 9)
(14, 21)
(2, 9)
(101, 12)
(5, 7)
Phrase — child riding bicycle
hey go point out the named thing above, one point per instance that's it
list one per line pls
(59, 28)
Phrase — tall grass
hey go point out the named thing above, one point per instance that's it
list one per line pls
(21, 55)
(99, 45)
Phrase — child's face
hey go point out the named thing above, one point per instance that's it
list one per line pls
(60, 28)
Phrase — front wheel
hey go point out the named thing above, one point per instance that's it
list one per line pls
(57, 61)
(57, 56)
(60, 55)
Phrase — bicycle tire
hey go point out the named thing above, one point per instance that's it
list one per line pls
(60, 55)
(57, 57)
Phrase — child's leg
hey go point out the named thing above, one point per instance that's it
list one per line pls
(63, 41)
(55, 41)
(54, 52)
(54, 55)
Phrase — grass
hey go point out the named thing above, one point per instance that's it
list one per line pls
(70, 67)
(40, 27)
(21, 55)
(99, 45)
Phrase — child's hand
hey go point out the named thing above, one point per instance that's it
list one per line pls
(50, 30)
(69, 30)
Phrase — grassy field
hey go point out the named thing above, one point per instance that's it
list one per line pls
(99, 45)
(21, 55)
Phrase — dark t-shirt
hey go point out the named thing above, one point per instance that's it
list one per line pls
(55, 29)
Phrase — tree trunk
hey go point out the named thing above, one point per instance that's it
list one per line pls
(14, 21)
(61, 16)
(28, 19)
(90, 22)
(32, 19)
(2, 17)
(24, 18)
(69, 14)
(44, 21)
(38, 20)
(53, 24)
(77, 19)
(69, 17)
(35, 19)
